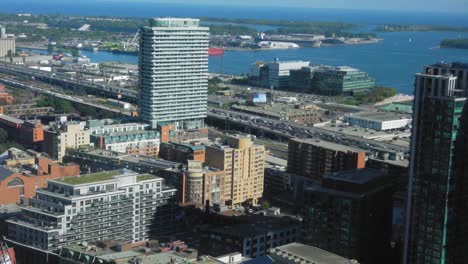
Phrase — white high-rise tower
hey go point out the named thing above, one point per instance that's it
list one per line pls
(173, 68)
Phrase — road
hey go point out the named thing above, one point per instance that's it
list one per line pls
(283, 128)
(301, 131)
(47, 92)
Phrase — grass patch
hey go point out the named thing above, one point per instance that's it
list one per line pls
(90, 178)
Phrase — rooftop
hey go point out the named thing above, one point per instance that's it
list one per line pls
(145, 177)
(90, 178)
(257, 224)
(359, 176)
(309, 254)
(456, 65)
(11, 119)
(328, 145)
(380, 116)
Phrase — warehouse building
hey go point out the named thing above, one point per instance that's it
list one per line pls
(380, 121)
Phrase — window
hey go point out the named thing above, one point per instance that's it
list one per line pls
(16, 182)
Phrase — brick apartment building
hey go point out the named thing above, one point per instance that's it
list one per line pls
(26, 132)
(314, 158)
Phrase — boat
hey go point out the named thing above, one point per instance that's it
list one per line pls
(215, 51)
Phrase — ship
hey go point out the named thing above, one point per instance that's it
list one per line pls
(7, 255)
(215, 51)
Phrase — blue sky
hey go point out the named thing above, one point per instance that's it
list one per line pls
(458, 6)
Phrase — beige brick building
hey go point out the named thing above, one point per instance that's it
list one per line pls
(244, 165)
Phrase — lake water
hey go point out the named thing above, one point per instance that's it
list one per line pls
(393, 62)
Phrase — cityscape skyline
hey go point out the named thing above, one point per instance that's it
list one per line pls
(161, 159)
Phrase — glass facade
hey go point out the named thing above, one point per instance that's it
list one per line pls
(438, 201)
(341, 80)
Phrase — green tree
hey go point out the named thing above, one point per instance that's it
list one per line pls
(50, 49)
(266, 205)
(75, 53)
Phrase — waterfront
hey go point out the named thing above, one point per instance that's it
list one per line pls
(392, 62)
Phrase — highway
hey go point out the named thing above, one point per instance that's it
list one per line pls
(282, 128)
(288, 129)
(45, 91)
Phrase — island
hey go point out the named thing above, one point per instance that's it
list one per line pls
(454, 43)
(400, 28)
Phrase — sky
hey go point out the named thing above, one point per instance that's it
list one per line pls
(455, 6)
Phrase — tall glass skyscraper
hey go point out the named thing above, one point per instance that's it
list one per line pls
(437, 218)
(173, 68)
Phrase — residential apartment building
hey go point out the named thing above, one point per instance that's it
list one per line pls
(197, 184)
(62, 135)
(315, 158)
(139, 142)
(253, 236)
(173, 72)
(29, 132)
(121, 205)
(96, 160)
(437, 200)
(350, 214)
(101, 127)
(25, 173)
(182, 152)
(244, 165)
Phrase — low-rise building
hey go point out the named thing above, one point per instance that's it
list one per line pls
(28, 109)
(296, 253)
(29, 132)
(314, 158)
(138, 142)
(21, 178)
(121, 205)
(112, 251)
(4, 96)
(300, 114)
(197, 184)
(62, 135)
(182, 152)
(96, 160)
(169, 133)
(380, 121)
(254, 236)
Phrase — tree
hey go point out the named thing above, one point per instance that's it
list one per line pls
(266, 205)
(75, 53)
(50, 49)
(3, 135)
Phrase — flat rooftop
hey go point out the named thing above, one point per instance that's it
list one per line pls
(359, 176)
(380, 116)
(310, 254)
(328, 145)
(11, 119)
(90, 178)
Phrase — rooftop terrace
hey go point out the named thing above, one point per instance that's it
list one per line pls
(90, 178)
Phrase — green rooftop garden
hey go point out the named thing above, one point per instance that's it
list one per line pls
(90, 178)
(145, 177)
